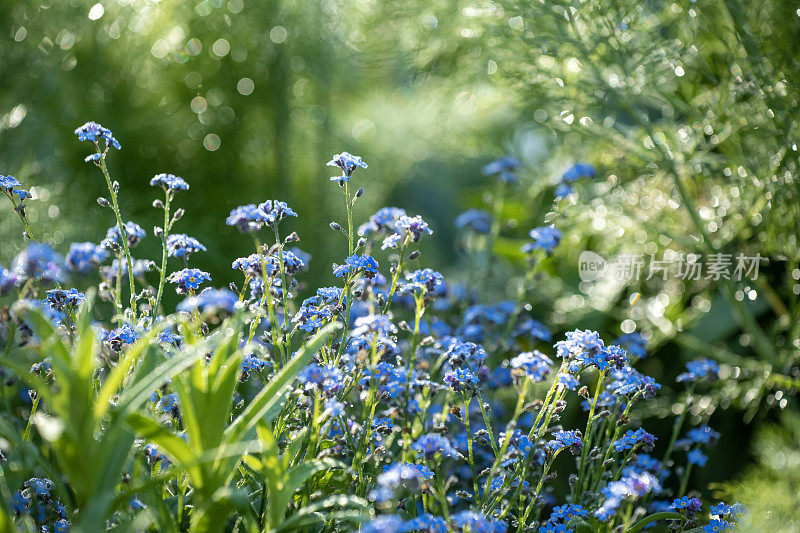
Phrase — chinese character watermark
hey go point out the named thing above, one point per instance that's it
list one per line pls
(716, 266)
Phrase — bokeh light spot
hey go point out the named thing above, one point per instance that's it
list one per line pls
(245, 86)
(96, 11)
(211, 142)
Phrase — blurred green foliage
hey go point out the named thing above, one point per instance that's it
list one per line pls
(246, 100)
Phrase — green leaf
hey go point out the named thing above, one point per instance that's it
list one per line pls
(121, 370)
(260, 405)
(175, 447)
(652, 518)
(147, 381)
(310, 513)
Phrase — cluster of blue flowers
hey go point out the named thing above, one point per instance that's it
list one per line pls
(448, 413)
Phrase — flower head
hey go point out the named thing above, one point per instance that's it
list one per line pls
(566, 439)
(8, 183)
(700, 369)
(94, 132)
(504, 168)
(426, 279)
(365, 264)
(247, 218)
(38, 261)
(545, 238)
(211, 300)
(563, 190)
(724, 510)
(381, 221)
(696, 457)
(567, 512)
(633, 439)
(535, 364)
(477, 523)
(276, 211)
(432, 443)
(477, 220)
(686, 505)
(59, 298)
(182, 245)
(406, 229)
(702, 435)
(465, 353)
(84, 256)
(348, 163)
(125, 334)
(188, 279)
(169, 182)
(133, 232)
(577, 171)
(461, 379)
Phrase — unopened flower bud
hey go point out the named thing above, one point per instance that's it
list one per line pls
(335, 226)
(292, 237)
(115, 186)
(102, 202)
(158, 204)
(414, 254)
(179, 214)
(360, 192)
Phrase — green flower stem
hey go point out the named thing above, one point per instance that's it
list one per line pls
(588, 436)
(685, 481)
(284, 287)
(163, 274)
(348, 300)
(488, 423)
(396, 274)
(366, 417)
(420, 310)
(553, 396)
(118, 285)
(122, 231)
(539, 486)
(26, 435)
(523, 393)
(617, 430)
(676, 428)
(266, 298)
(465, 418)
(551, 393)
(22, 218)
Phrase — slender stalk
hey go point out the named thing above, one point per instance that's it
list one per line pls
(26, 435)
(509, 430)
(465, 418)
(163, 273)
(676, 429)
(587, 435)
(122, 231)
(396, 274)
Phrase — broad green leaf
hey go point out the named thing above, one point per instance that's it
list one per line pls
(121, 370)
(312, 511)
(259, 406)
(652, 518)
(176, 448)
